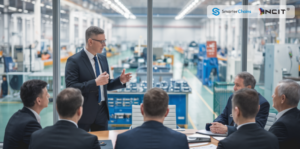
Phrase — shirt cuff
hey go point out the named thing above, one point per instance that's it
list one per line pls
(122, 83)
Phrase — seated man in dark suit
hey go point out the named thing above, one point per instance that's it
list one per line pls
(153, 134)
(287, 127)
(249, 135)
(23, 123)
(224, 123)
(65, 134)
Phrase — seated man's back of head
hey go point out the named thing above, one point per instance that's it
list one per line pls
(249, 135)
(153, 134)
(65, 134)
(23, 123)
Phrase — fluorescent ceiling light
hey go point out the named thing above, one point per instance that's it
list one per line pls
(42, 5)
(49, 7)
(1, 6)
(20, 10)
(62, 11)
(191, 5)
(120, 8)
(12, 8)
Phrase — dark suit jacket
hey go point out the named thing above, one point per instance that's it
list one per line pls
(287, 129)
(80, 74)
(261, 117)
(250, 136)
(151, 135)
(63, 135)
(19, 129)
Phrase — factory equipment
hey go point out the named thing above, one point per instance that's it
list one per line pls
(207, 69)
(281, 62)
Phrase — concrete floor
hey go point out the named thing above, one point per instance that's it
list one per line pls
(200, 107)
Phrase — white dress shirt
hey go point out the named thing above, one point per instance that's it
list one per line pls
(281, 113)
(244, 124)
(91, 58)
(37, 116)
(69, 121)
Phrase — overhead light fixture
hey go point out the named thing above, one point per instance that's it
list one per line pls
(191, 5)
(20, 10)
(120, 8)
(49, 7)
(62, 11)
(1, 6)
(256, 3)
(12, 8)
(42, 5)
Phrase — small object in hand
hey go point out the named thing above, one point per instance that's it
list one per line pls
(102, 143)
(207, 127)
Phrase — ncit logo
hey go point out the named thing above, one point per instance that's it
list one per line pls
(261, 11)
(216, 11)
(273, 11)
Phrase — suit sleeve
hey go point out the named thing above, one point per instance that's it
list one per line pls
(231, 129)
(29, 129)
(262, 115)
(185, 142)
(118, 146)
(279, 130)
(223, 118)
(113, 84)
(72, 78)
(96, 144)
(220, 145)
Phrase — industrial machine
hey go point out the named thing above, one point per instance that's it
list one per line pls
(281, 62)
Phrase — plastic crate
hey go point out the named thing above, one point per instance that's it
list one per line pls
(222, 91)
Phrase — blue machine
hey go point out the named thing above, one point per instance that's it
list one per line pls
(208, 68)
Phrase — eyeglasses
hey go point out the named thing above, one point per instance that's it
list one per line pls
(101, 41)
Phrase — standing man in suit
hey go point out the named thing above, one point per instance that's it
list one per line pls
(287, 127)
(153, 134)
(23, 123)
(65, 134)
(249, 135)
(88, 71)
(224, 123)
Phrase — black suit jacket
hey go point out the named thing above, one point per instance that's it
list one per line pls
(80, 74)
(19, 129)
(63, 135)
(250, 136)
(151, 135)
(261, 117)
(287, 129)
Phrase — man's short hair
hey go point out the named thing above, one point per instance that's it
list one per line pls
(291, 90)
(30, 90)
(248, 79)
(92, 31)
(68, 101)
(155, 102)
(247, 101)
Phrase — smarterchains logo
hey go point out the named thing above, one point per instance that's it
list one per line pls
(216, 11)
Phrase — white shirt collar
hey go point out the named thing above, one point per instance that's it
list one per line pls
(89, 54)
(244, 124)
(37, 116)
(69, 121)
(282, 112)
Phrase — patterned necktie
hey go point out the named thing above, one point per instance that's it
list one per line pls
(97, 74)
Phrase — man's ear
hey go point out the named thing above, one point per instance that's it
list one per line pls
(237, 110)
(167, 112)
(38, 101)
(249, 86)
(142, 109)
(283, 99)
